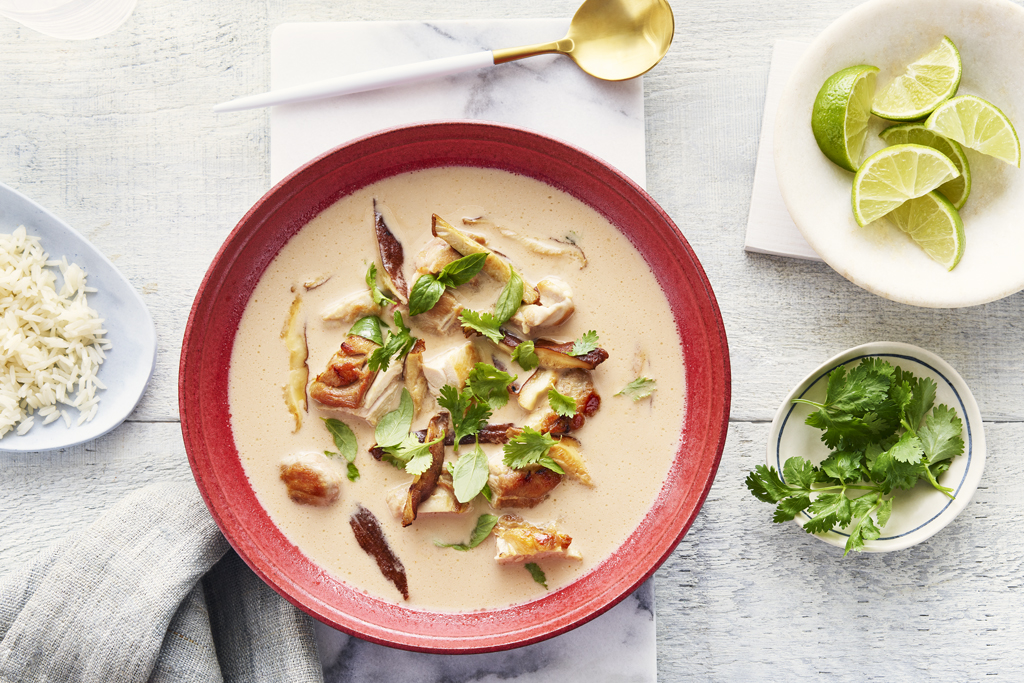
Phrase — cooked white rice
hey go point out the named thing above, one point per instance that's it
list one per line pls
(51, 342)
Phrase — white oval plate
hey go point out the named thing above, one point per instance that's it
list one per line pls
(921, 512)
(890, 34)
(129, 364)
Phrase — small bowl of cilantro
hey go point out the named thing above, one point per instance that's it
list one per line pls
(876, 450)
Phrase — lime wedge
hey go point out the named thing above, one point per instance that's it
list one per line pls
(840, 115)
(955, 190)
(895, 174)
(977, 124)
(927, 83)
(933, 222)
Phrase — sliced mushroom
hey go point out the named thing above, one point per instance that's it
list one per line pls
(294, 335)
(392, 256)
(554, 307)
(496, 266)
(518, 541)
(424, 484)
(415, 380)
(536, 388)
(374, 543)
(311, 479)
(352, 307)
(441, 502)
(548, 247)
(451, 367)
(345, 381)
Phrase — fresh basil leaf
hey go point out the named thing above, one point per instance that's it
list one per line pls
(470, 474)
(375, 292)
(484, 526)
(461, 271)
(525, 355)
(560, 403)
(510, 298)
(369, 328)
(394, 427)
(425, 294)
(344, 438)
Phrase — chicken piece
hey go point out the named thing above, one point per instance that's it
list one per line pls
(424, 484)
(521, 488)
(415, 380)
(352, 307)
(294, 336)
(578, 385)
(382, 396)
(345, 381)
(496, 266)
(553, 309)
(392, 256)
(444, 315)
(451, 367)
(567, 454)
(517, 541)
(311, 478)
(374, 543)
(535, 388)
(441, 502)
(435, 255)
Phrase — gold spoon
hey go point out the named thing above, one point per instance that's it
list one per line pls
(613, 40)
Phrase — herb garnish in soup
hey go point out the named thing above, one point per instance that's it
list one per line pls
(455, 381)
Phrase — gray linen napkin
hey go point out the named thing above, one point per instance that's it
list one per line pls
(150, 591)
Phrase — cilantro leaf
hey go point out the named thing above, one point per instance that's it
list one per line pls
(394, 427)
(484, 526)
(397, 346)
(369, 327)
(563, 405)
(530, 448)
(375, 292)
(765, 484)
(489, 384)
(470, 474)
(941, 435)
(510, 298)
(799, 472)
(585, 344)
(525, 355)
(908, 449)
(920, 403)
(468, 416)
(843, 466)
(417, 456)
(537, 573)
(484, 323)
(789, 508)
(638, 389)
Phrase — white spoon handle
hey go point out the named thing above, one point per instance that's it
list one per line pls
(369, 80)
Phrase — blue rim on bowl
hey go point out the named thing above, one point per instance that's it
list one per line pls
(920, 513)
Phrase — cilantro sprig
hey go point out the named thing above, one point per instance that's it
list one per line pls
(885, 433)
(639, 389)
(378, 296)
(489, 324)
(399, 344)
(530, 448)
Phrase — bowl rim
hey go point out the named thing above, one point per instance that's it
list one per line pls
(974, 448)
(203, 410)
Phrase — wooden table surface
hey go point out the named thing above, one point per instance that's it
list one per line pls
(115, 135)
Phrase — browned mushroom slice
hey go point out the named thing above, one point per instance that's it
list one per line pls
(345, 381)
(352, 307)
(415, 380)
(392, 256)
(294, 335)
(310, 479)
(521, 488)
(372, 540)
(566, 452)
(423, 485)
(495, 266)
(517, 541)
(578, 385)
(555, 355)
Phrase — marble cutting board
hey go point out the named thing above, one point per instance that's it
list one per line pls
(548, 94)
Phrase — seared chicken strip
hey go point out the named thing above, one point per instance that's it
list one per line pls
(451, 367)
(392, 256)
(521, 488)
(348, 377)
(496, 266)
(311, 479)
(567, 454)
(518, 541)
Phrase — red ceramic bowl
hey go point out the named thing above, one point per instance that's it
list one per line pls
(225, 291)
